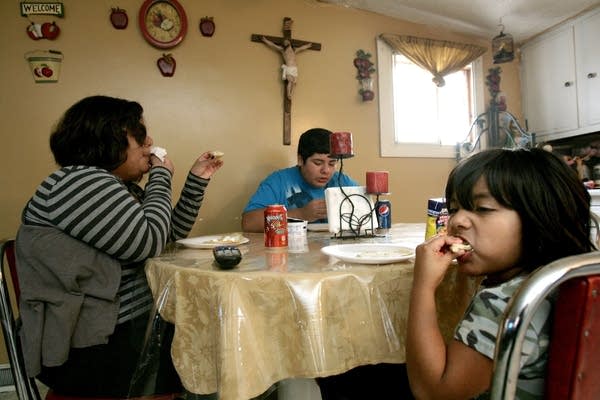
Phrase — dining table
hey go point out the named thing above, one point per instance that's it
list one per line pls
(293, 312)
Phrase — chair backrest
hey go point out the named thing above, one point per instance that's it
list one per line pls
(573, 354)
(25, 386)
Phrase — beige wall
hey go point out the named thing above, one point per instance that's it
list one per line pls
(226, 94)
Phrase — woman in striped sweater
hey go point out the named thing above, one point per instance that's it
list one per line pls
(86, 215)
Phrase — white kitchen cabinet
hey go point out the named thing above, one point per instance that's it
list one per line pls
(587, 37)
(561, 79)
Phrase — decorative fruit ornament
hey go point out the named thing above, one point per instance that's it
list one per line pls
(50, 30)
(118, 18)
(207, 26)
(166, 64)
(364, 68)
(34, 31)
(47, 71)
(43, 71)
(47, 30)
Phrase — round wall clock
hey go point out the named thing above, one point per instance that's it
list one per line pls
(163, 23)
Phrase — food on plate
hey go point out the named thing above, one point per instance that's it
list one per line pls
(383, 253)
(233, 238)
(456, 247)
(217, 154)
(158, 152)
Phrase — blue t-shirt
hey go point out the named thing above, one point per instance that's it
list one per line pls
(288, 187)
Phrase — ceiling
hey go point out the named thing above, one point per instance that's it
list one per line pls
(521, 18)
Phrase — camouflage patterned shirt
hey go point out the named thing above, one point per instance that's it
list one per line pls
(479, 327)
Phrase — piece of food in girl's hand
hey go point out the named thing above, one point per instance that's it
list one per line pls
(158, 152)
(217, 154)
(456, 247)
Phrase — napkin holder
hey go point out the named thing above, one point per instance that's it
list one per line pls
(350, 211)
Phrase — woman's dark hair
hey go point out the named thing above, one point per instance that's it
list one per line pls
(93, 132)
(552, 203)
(313, 141)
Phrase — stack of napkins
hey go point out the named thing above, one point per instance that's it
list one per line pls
(353, 200)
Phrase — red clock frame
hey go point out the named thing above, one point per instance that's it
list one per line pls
(145, 7)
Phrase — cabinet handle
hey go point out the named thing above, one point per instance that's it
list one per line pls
(592, 75)
(567, 84)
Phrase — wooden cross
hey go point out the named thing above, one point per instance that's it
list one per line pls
(289, 48)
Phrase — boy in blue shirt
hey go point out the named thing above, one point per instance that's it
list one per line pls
(301, 188)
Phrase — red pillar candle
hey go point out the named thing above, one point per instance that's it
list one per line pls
(377, 182)
(340, 145)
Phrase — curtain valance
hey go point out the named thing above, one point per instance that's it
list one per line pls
(440, 57)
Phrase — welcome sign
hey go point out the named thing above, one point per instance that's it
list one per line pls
(42, 8)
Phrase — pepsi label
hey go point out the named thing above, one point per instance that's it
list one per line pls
(383, 210)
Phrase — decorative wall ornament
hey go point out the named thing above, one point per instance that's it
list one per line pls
(42, 30)
(118, 18)
(207, 26)
(365, 68)
(163, 23)
(288, 47)
(42, 8)
(492, 81)
(47, 30)
(503, 49)
(166, 64)
(44, 65)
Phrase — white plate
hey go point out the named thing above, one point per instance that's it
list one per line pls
(369, 253)
(323, 227)
(208, 242)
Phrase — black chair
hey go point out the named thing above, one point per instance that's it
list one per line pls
(26, 387)
(573, 354)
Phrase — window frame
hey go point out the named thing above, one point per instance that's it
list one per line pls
(387, 144)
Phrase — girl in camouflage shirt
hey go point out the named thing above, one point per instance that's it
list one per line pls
(516, 210)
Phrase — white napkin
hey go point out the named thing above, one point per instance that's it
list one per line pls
(363, 205)
(158, 152)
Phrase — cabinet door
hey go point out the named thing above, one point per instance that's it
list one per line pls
(587, 35)
(549, 87)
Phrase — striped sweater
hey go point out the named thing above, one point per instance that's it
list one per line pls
(122, 220)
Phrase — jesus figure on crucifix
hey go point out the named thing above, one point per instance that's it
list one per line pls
(288, 47)
(289, 69)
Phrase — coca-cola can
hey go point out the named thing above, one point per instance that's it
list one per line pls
(276, 233)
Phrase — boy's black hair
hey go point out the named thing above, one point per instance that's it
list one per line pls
(313, 141)
(553, 205)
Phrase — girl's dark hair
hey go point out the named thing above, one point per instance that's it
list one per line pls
(315, 140)
(94, 132)
(552, 203)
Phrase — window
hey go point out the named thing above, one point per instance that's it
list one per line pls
(418, 119)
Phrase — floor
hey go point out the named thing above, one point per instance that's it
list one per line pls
(290, 389)
(12, 395)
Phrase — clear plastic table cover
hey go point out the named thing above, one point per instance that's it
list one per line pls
(282, 314)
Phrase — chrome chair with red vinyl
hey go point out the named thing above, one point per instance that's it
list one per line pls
(26, 387)
(574, 353)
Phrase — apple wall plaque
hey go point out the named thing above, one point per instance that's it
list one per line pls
(166, 64)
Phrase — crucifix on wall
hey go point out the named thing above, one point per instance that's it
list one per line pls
(288, 48)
